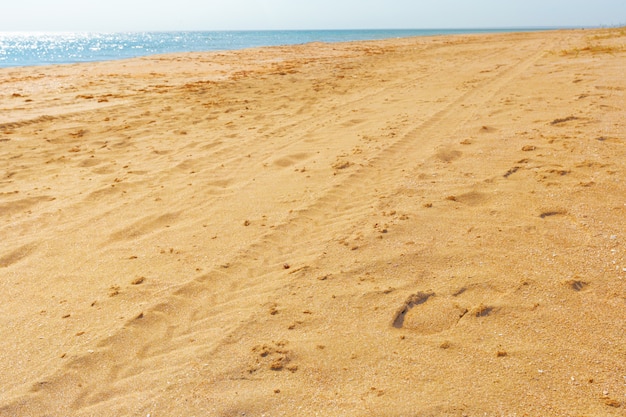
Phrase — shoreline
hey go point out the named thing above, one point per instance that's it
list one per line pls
(331, 36)
(416, 226)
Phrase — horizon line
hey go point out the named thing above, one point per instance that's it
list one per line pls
(522, 27)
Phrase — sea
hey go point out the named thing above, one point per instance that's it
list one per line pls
(18, 49)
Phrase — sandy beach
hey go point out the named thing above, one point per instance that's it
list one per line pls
(412, 227)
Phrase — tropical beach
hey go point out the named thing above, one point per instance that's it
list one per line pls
(428, 226)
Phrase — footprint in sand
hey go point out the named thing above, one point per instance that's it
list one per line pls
(290, 160)
(448, 155)
(551, 213)
(144, 226)
(16, 255)
(273, 356)
(427, 313)
(576, 285)
(22, 205)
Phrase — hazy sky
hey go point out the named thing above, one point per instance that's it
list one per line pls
(138, 15)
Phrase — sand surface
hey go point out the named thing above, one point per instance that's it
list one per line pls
(413, 227)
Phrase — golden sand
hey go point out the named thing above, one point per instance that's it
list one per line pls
(413, 227)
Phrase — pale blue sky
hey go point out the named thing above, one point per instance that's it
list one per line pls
(139, 15)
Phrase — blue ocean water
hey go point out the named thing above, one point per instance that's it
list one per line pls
(28, 49)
